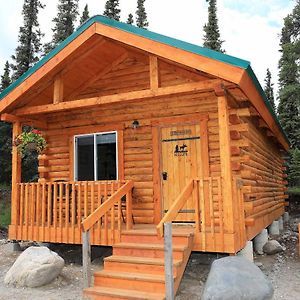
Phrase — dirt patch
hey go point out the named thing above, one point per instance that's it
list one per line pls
(3, 233)
(67, 286)
(282, 269)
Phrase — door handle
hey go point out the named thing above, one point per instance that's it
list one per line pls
(164, 175)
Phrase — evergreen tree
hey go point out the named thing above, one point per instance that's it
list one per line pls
(30, 162)
(212, 38)
(5, 134)
(29, 48)
(112, 10)
(141, 15)
(294, 168)
(5, 78)
(5, 152)
(289, 90)
(289, 86)
(130, 19)
(64, 22)
(85, 14)
(269, 90)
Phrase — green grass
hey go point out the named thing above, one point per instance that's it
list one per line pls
(294, 190)
(4, 205)
(5, 214)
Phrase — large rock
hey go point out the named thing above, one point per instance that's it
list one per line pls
(236, 278)
(272, 247)
(36, 266)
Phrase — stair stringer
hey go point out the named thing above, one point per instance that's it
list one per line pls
(184, 263)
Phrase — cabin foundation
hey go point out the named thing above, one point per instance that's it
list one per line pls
(280, 224)
(260, 240)
(247, 251)
(286, 217)
(15, 246)
(274, 228)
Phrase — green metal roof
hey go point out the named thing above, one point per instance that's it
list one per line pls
(231, 60)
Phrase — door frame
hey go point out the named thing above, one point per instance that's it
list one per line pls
(157, 124)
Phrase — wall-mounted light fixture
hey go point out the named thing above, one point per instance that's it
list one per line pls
(135, 124)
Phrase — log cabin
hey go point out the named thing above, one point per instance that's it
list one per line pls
(143, 129)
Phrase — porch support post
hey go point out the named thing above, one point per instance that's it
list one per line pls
(225, 160)
(169, 279)
(86, 258)
(16, 174)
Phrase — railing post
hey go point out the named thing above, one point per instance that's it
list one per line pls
(197, 204)
(129, 210)
(168, 249)
(86, 258)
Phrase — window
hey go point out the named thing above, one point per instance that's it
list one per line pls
(96, 156)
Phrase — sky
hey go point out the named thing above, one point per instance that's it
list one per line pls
(250, 28)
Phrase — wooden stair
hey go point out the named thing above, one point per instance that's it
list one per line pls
(136, 268)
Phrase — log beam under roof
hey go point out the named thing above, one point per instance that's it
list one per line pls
(32, 122)
(201, 86)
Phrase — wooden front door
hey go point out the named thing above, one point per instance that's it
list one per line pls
(181, 162)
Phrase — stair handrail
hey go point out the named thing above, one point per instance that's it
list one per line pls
(175, 207)
(94, 217)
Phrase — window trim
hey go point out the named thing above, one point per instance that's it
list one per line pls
(94, 134)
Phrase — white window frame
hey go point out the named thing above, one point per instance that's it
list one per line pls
(94, 134)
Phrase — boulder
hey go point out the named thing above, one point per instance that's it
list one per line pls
(236, 278)
(36, 266)
(272, 247)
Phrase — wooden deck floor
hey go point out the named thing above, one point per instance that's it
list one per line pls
(73, 235)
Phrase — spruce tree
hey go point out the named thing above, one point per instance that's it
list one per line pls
(141, 15)
(5, 152)
(130, 19)
(5, 134)
(112, 10)
(212, 38)
(5, 78)
(63, 22)
(289, 86)
(269, 90)
(294, 168)
(289, 89)
(28, 51)
(85, 15)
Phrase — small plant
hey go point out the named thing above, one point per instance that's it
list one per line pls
(31, 141)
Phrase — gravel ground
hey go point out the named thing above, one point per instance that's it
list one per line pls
(282, 269)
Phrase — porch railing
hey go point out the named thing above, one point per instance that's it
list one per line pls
(110, 211)
(53, 211)
(207, 198)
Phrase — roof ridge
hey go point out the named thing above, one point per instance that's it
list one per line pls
(225, 58)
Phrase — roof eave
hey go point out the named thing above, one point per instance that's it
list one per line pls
(252, 88)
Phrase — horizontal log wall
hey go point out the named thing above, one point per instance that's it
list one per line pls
(263, 178)
(137, 142)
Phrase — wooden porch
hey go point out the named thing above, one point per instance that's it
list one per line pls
(53, 211)
(58, 212)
